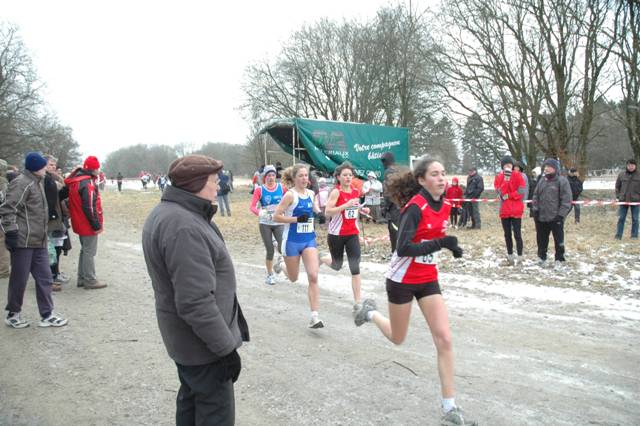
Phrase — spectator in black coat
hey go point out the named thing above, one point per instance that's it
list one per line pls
(475, 188)
(576, 190)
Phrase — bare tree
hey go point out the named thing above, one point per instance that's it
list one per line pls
(517, 65)
(372, 72)
(627, 51)
(20, 98)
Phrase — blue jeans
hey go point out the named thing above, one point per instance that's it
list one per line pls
(622, 216)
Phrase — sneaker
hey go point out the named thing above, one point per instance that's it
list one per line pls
(53, 320)
(455, 417)
(356, 308)
(277, 266)
(559, 266)
(618, 237)
(80, 283)
(316, 322)
(93, 286)
(61, 278)
(361, 316)
(541, 262)
(270, 280)
(56, 286)
(511, 260)
(14, 320)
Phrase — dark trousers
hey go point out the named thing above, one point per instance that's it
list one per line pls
(466, 213)
(510, 224)
(475, 215)
(576, 210)
(205, 396)
(453, 216)
(119, 186)
(543, 229)
(36, 262)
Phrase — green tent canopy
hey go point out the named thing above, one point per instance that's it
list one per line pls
(326, 144)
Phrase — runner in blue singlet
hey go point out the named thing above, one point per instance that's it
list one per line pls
(299, 240)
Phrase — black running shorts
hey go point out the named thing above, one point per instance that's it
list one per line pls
(400, 294)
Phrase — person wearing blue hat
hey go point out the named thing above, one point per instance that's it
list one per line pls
(24, 223)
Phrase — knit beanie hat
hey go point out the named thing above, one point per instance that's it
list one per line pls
(34, 162)
(91, 163)
(506, 160)
(268, 169)
(552, 162)
(191, 172)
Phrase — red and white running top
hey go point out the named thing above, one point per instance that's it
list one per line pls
(345, 223)
(432, 225)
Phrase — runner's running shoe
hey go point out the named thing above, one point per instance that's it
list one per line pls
(455, 417)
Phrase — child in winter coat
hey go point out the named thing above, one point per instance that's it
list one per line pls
(454, 192)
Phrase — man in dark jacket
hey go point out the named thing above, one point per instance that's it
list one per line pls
(194, 283)
(85, 209)
(119, 180)
(628, 190)
(24, 216)
(391, 212)
(576, 190)
(551, 205)
(475, 188)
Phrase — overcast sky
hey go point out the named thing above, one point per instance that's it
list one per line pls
(158, 72)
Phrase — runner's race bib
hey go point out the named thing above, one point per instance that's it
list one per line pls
(351, 213)
(428, 259)
(305, 228)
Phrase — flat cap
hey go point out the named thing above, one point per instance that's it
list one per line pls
(192, 171)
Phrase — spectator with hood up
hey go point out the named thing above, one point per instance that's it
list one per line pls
(551, 205)
(511, 189)
(85, 209)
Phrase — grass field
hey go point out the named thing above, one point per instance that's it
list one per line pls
(595, 260)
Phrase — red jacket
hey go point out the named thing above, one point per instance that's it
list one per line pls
(85, 207)
(511, 200)
(453, 192)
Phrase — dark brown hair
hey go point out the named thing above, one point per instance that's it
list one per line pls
(403, 184)
(341, 167)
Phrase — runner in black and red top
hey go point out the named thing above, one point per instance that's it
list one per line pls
(413, 272)
(344, 234)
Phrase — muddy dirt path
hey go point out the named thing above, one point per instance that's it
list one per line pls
(542, 358)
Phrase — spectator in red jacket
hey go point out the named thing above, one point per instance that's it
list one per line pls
(86, 218)
(510, 187)
(454, 192)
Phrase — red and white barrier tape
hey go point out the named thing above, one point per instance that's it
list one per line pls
(581, 202)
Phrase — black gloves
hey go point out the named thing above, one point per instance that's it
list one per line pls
(303, 218)
(232, 365)
(11, 240)
(450, 242)
(96, 226)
